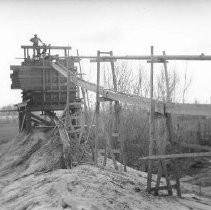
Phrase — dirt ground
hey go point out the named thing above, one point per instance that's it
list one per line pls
(31, 177)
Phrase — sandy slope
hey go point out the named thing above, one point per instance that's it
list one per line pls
(31, 178)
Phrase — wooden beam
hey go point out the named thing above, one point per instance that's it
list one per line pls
(161, 188)
(22, 104)
(144, 103)
(40, 119)
(151, 124)
(201, 57)
(172, 156)
(116, 96)
(18, 67)
(47, 47)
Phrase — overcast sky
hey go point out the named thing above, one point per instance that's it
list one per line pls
(126, 27)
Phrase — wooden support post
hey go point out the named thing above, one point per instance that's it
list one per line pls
(87, 118)
(177, 177)
(97, 108)
(20, 118)
(151, 125)
(28, 120)
(23, 121)
(59, 87)
(27, 53)
(169, 123)
(109, 139)
(165, 172)
(158, 177)
(24, 53)
(67, 119)
(117, 110)
(43, 83)
(86, 114)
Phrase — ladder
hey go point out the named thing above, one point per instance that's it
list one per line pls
(113, 133)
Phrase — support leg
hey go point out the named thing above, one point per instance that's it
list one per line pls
(158, 177)
(167, 177)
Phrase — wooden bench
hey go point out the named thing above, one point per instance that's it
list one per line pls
(162, 170)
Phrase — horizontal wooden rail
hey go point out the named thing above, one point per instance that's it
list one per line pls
(172, 156)
(47, 47)
(156, 58)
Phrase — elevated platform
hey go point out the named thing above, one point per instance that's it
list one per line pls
(43, 87)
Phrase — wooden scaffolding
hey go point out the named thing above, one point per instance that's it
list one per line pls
(160, 111)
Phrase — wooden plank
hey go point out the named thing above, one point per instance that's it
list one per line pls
(148, 57)
(103, 60)
(144, 103)
(162, 187)
(174, 108)
(183, 155)
(47, 47)
(40, 119)
(24, 68)
(116, 96)
(23, 122)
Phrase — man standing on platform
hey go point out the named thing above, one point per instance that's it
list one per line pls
(35, 40)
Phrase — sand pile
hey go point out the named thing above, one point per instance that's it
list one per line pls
(33, 176)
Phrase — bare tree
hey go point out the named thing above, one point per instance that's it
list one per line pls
(161, 91)
(187, 83)
(124, 76)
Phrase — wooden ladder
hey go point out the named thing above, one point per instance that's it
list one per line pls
(113, 133)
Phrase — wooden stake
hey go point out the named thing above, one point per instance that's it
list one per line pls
(158, 177)
(109, 138)
(67, 120)
(165, 172)
(84, 95)
(151, 124)
(97, 108)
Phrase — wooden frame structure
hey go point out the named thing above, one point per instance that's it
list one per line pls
(165, 109)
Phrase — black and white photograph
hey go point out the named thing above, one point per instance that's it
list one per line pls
(105, 104)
